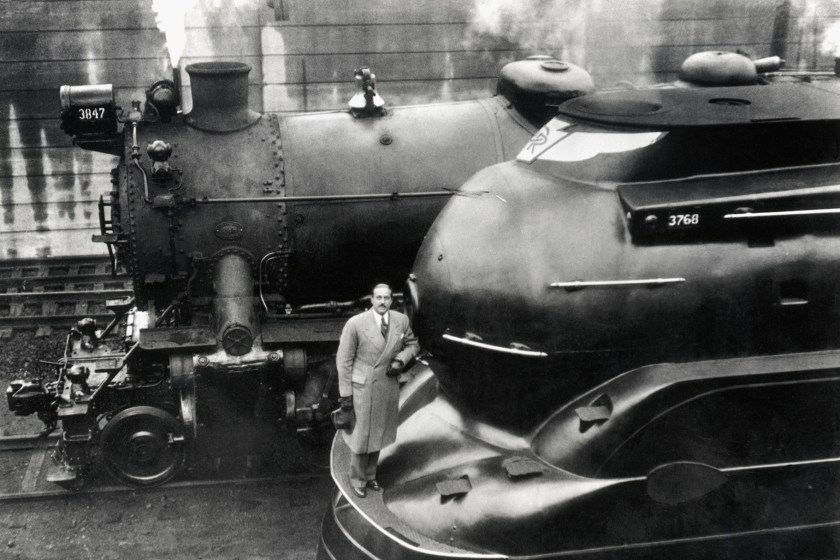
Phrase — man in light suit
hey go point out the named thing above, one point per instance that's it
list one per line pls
(374, 348)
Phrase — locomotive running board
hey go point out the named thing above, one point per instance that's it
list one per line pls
(177, 338)
(275, 333)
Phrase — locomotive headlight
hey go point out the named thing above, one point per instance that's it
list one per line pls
(88, 110)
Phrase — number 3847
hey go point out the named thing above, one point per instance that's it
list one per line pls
(682, 220)
(92, 113)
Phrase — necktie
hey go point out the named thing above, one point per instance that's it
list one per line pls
(383, 327)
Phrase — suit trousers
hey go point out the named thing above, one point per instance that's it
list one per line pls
(363, 468)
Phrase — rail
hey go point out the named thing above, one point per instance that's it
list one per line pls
(57, 291)
(32, 453)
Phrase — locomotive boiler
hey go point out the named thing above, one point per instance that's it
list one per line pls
(634, 331)
(250, 239)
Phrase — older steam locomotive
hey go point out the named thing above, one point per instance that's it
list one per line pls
(635, 339)
(249, 239)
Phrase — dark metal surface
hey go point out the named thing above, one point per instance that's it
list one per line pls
(320, 210)
(332, 222)
(178, 338)
(302, 329)
(797, 100)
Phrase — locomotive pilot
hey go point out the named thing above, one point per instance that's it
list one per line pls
(373, 350)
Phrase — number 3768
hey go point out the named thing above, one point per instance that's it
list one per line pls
(677, 220)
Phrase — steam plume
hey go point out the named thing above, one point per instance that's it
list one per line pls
(532, 25)
(170, 16)
(831, 41)
(170, 20)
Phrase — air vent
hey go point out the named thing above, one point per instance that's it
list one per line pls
(616, 107)
(729, 102)
(596, 413)
(521, 467)
(454, 487)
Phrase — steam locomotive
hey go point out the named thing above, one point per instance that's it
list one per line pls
(250, 239)
(634, 331)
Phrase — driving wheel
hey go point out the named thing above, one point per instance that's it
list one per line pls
(143, 446)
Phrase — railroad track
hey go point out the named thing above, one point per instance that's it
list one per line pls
(24, 461)
(57, 292)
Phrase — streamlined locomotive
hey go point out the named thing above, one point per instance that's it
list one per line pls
(634, 331)
(250, 239)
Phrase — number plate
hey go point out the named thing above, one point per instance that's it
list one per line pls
(91, 113)
(97, 119)
(670, 221)
(682, 220)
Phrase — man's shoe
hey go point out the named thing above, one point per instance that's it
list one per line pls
(373, 485)
(360, 492)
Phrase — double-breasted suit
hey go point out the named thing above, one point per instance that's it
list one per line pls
(363, 358)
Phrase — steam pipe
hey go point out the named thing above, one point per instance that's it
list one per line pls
(325, 197)
(145, 180)
(176, 79)
(266, 259)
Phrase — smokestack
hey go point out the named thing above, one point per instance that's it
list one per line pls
(837, 65)
(220, 97)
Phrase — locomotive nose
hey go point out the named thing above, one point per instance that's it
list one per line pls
(460, 253)
(486, 309)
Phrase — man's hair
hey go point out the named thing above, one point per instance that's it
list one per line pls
(382, 286)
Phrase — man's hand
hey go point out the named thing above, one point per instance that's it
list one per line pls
(394, 368)
(344, 418)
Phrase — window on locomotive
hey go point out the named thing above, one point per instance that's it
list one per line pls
(740, 426)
